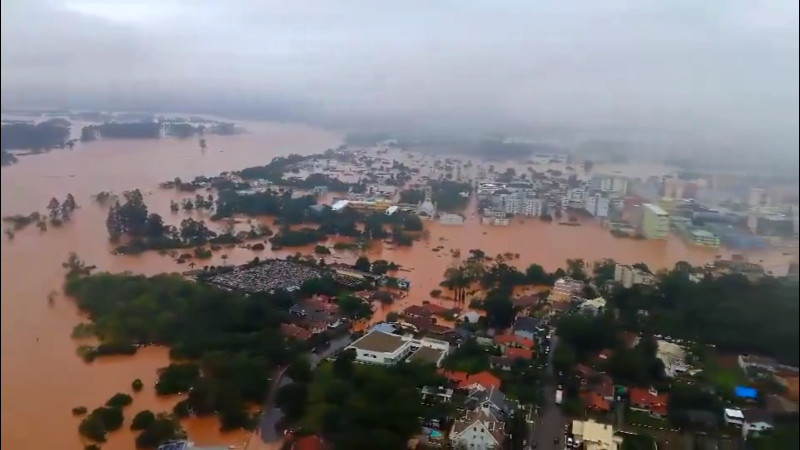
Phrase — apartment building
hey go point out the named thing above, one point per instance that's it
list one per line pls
(597, 205)
(655, 222)
(629, 276)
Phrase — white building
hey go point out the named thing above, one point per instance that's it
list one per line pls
(592, 435)
(497, 221)
(617, 186)
(597, 205)
(593, 306)
(478, 430)
(377, 347)
(575, 198)
(755, 421)
(629, 276)
(733, 417)
(451, 219)
(565, 288)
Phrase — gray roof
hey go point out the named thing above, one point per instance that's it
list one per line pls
(756, 415)
(492, 398)
(378, 341)
(526, 324)
(426, 354)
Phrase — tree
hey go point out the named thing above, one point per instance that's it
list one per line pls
(292, 398)
(362, 264)
(381, 266)
(54, 207)
(154, 227)
(354, 307)
(535, 274)
(392, 317)
(111, 418)
(499, 310)
(300, 370)
(119, 400)
(137, 385)
(142, 420)
(575, 269)
(343, 365)
(604, 270)
(164, 428)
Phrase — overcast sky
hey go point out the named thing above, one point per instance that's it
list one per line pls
(715, 68)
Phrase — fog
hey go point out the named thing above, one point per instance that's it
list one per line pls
(714, 73)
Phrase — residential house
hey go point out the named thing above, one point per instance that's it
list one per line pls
(478, 430)
(526, 327)
(565, 288)
(504, 363)
(463, 380)
(505, 341)
(416, 311)
(629, 276)
(593, 306)
(755, 421)
(292, 331)
(518, 353)
(424, 325)
(593, 435)
(318, 309)
(438, 393)
(525, 301)
(601, 384)
(751, 362)
(649, 401)
(733, 417)
(491, 400)
(595, 402)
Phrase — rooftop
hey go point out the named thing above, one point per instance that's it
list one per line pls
(595, 432)
(703, 234)
(655, 209)
(377, 341)
(426, 355)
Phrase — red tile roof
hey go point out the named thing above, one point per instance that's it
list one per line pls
(435, 309)
(649, 400)
(602, 385)
(291, 330)
(522, 353)
(416, 311)
(310, 442)
(463, 379)
(526, 300)
(595, 402)
(513, 340)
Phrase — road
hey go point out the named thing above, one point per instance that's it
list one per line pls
(551, 421)
(270, 416)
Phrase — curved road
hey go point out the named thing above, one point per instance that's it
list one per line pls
(266, 432)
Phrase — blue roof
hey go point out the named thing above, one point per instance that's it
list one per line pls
(745, 392)
(384, 328)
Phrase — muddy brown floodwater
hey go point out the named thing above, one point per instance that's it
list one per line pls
(43, 378)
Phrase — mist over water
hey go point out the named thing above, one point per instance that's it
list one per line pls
(717, 79)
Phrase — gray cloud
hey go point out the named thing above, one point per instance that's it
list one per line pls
(718, 70)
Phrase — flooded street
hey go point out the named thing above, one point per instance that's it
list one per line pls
(43, 378)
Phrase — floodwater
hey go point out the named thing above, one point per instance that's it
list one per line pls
(43, 378)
